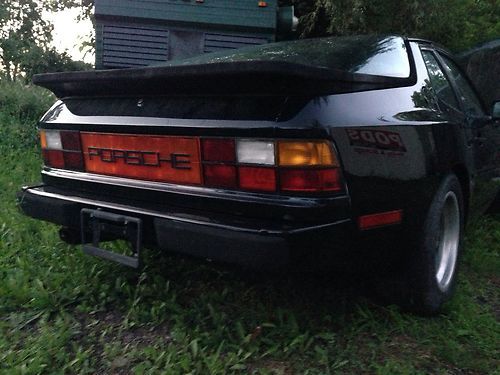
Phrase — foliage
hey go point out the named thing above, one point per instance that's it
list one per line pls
(86, 8)
(40, 60)
(457, 24)
(25, 38)
(23, 104)
(20, 104)
(23, 28)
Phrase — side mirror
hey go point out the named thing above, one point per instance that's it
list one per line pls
(495, 112)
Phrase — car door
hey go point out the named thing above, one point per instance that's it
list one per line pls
(454, 141)
(485, 135)
(480, 141)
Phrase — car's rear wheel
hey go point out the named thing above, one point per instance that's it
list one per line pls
(434, 260)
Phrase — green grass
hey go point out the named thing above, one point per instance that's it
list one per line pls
(63, 312)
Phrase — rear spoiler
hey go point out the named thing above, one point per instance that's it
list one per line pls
(242, 77)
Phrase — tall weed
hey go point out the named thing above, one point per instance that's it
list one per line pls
(21, 106)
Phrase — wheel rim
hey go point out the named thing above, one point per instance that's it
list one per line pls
(449, 238)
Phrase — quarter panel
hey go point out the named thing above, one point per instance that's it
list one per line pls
(395, 144)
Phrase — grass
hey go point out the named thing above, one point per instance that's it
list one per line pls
(63, 312)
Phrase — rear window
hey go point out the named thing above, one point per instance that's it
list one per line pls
(373, 55)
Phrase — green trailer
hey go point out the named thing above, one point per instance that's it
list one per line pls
(131, 33)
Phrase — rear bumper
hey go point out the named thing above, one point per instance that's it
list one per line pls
(221, 238)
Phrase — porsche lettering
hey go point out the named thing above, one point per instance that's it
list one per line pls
(140, 158)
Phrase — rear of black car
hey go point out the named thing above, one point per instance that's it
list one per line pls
(201, 157)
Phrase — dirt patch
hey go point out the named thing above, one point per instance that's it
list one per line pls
(101, 328)
(273, 367)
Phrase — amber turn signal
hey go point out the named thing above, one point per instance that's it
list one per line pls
(43, 139)
(316, 153)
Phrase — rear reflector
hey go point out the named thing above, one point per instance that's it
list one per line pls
(380, 219)
(223, 176)
(310, 180)
(257, 178)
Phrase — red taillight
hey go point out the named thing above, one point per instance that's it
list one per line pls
(70, 141)
(223, 176)
(310, 180)
(220, 150)
(73, 160)
(62, 149)
(258, 179)
(53, 158)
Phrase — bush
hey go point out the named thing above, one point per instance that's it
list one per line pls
(24, 103)
(20, 109)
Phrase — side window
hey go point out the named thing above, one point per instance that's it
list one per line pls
(468, 97)
(439, 82)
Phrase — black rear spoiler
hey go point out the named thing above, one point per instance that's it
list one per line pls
(242, 77)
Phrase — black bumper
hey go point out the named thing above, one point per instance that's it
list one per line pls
(253, 243)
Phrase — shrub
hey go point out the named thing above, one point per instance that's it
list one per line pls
(21, 107)
(25, 103)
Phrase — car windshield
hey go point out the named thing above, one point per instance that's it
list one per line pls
(374, 55)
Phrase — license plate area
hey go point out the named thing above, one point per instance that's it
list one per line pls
(98, 226)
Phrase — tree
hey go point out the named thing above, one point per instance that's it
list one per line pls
(25, 38)
(457, 24)
(22, 28)
(40, 60)
(86, 8)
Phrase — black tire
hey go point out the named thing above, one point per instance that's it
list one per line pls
(437, 250)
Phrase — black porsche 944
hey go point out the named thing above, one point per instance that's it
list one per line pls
(285, 154)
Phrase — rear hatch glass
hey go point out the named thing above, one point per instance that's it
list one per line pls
(313, 67)
(362, 54)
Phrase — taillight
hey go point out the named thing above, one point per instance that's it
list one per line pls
(221, 150)
(303, 167)
(271, 166)
(220, 176)
(257, 178)
(62, 149)
(312, 180)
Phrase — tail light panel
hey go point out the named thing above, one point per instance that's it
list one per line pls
(272, 166)
(62, 149)
(304, 167)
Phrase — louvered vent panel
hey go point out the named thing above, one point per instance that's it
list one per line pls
(217, 42)
(134, 46)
